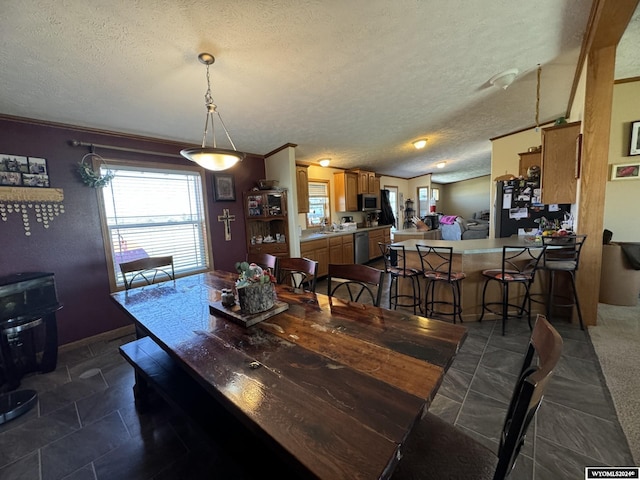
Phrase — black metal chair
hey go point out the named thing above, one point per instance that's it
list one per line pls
(436, 265)
(436, 449)
(519, 267)
(563, 255)
(395, 266)
(146, 270)
(357, 280)
(298, 272)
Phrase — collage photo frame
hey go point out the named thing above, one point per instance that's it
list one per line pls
(21, 171)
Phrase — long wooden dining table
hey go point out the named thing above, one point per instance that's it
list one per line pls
(336, 385)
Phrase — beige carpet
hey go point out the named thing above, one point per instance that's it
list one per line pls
(616, 340)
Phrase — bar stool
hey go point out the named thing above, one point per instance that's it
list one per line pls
(519, 266)
(563, 255)
(395, 265)
(436, 265)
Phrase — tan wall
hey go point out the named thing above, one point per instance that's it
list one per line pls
(466, 197)
(623, 196)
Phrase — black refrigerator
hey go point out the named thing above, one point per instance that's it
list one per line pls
(518, 207)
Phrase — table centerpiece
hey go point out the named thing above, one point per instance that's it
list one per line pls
(255, 288)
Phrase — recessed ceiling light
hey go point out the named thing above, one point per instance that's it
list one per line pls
(325, 162)
(441, 164)
(420, 143)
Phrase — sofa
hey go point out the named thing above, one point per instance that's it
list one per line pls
(458, 228)
(619, 279)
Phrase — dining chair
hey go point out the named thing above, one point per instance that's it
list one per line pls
(147, 270)
(297, 272)
(436, 263)
(264, 260)
(436, 449)
(357, 280)
(395, 266)
(563, 255)
(519, 266)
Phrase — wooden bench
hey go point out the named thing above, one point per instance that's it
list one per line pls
(156, 372)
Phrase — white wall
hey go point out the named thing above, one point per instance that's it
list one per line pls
(281, 166)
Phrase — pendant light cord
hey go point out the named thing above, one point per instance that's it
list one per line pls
(538, 98)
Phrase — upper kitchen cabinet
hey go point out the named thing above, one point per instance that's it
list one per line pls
(366, 181)
(532, 158)
(560, 163)
(302, 184)
(345, 185)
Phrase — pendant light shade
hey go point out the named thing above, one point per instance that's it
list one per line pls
(212, 158)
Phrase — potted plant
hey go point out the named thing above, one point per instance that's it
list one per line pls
(255, 287)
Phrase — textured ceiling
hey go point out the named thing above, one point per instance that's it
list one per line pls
(353, 80)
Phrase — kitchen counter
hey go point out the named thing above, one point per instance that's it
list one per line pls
(308, 237)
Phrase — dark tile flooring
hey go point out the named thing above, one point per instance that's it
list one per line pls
(85, 426)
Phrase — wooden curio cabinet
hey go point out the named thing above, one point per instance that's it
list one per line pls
(266, 222)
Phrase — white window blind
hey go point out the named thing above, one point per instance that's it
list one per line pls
(156, 212)
(318, 203)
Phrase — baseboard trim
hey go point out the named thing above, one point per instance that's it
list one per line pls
(101, 337)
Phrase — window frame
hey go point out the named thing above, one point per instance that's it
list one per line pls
(328, 185)
(419, 212)
(106, 234)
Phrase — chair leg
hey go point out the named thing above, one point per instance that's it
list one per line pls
(457, 302)
(484, 291)
(505, 306)
(575, 297)
(552, 280)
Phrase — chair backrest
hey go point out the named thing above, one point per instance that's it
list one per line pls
(545, 344)
(264, 260)
(436, 260)
(297, 271)
(521, 263)
(358, 279)
(147, 270)
(394, 258)
(563, 252)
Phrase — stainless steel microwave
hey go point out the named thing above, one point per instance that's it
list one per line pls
(368, 202)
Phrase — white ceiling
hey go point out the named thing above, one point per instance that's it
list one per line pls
(353, 80)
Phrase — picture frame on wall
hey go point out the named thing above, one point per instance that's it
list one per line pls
(634, 143)
(625, 171)
(224, 189)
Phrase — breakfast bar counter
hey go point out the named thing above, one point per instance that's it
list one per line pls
(472, 257)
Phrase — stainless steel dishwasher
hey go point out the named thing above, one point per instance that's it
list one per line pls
(361, 247)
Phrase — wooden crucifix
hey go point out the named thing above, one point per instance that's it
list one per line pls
(227, 219)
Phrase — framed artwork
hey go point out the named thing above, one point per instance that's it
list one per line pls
(625, 171)
(13, 163)
(224, 188)
(634, 144)
(37, 166)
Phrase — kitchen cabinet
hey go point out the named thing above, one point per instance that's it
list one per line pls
(380, 235)
(266, 222)
(560, 163)
(317, 250)
(367, 181)
(302, 184)
(529, 159)
(345, 189)
(341, 249)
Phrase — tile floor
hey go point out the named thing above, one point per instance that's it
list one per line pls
(85, 426)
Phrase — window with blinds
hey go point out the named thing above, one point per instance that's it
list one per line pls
(149, 212)
(319, 209)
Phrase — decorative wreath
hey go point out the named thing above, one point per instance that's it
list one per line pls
(92, 177)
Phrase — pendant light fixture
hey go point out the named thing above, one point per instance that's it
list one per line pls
(212, 158)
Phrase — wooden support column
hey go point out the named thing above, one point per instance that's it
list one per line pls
(609, 19)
